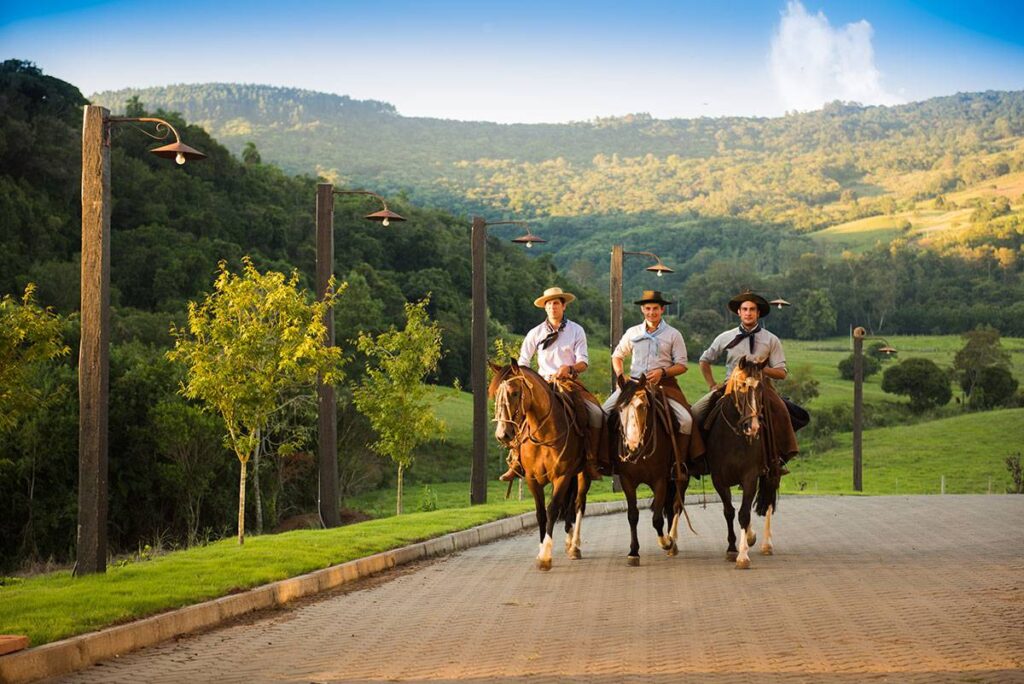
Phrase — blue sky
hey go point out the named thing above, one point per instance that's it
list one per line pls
(531, 61)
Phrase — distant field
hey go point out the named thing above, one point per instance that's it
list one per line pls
(969, 450)
(926, 221)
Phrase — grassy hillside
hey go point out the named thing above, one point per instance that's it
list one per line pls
(968, 450)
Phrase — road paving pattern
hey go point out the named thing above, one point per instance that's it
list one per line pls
(927, 588)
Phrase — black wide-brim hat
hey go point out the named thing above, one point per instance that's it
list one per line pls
(747, 296)
(652, 297)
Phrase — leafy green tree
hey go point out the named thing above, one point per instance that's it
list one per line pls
(871, 365)
(995, 387)
(982, 349)
(393, 396)
(29, 335)
(253, 348)
(250, 155)
(188, 438)
(925, 383)
(800, 386)
(815, 316)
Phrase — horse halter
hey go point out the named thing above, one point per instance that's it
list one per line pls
(637, 413)
(506, 413)
(742, 389)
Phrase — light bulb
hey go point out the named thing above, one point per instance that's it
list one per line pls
(180, 158)
(659, 274)
(385, 222)
(529, 245)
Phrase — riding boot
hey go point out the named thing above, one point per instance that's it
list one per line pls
(593, 468)
(515, 467)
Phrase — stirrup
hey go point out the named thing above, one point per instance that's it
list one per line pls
(512, 473)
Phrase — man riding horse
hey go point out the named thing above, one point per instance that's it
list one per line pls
(658, 352)
(561, 349)
(752, 340)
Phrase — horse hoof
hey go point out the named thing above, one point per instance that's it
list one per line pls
(743, 564)
(544, 564)
(574, 553)
(767, 551)
(731, 555)
(633, 561)
(672, 551)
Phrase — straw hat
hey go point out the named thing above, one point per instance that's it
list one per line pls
(553, 293)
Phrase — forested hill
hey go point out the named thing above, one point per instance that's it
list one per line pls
(800, 170)
(172, 224)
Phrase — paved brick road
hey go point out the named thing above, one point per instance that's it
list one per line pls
(860, 589)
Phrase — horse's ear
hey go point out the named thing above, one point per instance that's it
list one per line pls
(514, 365)
(494, 367)
(642, 381)
(620, 381)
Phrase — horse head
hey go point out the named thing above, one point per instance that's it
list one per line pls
(508, 388)
(633, 406)
(742, 386)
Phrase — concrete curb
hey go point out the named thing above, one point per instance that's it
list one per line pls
(74, 653)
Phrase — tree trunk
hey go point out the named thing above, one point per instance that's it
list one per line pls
(241, 503)
(256, 483)
(398, 509)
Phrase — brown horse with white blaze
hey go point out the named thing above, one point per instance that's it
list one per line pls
(533, 417)
(645, 442)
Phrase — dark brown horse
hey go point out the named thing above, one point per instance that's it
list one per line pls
(737, 455)
(532, 417)
(644, 442)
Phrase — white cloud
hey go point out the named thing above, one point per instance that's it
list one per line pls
(814, 63)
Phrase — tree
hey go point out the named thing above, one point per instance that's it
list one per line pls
(981, 350)
(799, 385)
(252, 349)
(393, 395)
(250, 155)
(925, 383)
(29, 335)
(815, 316)
(871, 365)
(995, 387)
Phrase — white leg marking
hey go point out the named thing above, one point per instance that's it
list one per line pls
(577, 530)
(674, 532)
(545, 549)
(767, 548)
(742, 558)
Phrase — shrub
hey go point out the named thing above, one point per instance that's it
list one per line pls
(871, 366)
(925, 383)
(994, 387)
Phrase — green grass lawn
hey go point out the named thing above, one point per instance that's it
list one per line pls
(56, 605)
(969, 450)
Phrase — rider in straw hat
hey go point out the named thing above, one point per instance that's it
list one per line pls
(658, 351)
(750, 338)
(561, 349)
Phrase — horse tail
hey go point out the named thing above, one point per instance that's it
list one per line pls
(767, 494)
(568, 509)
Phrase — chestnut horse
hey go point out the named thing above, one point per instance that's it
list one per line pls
(645, 443)
(738, 455)
(539, 421)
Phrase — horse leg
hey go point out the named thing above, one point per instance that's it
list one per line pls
(633, 515)
(767, 548)
(658, 514)
(729, 511)
(747, 536)
(537, 490)
(574, 541)
(558, 490)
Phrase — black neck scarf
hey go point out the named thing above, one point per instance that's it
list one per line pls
(553, 335)
(745, 334)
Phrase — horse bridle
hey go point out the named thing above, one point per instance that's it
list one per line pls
(655, 408)
(523, 433)
(748, 389)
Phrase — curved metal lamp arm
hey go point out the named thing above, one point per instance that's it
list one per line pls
(361, 192)
(160, 124)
